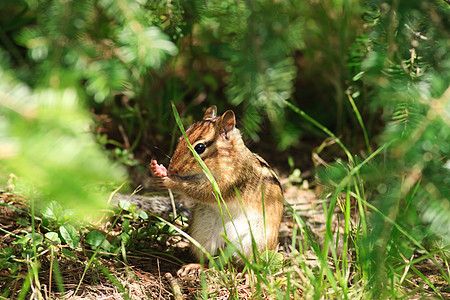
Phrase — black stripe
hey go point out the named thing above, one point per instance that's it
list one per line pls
(209, 143)
(273, 180)
(262, 162)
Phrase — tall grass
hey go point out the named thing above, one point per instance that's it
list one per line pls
(341, 271)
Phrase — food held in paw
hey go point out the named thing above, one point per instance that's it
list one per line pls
(158, 170)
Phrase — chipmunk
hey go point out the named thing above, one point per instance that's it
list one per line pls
(219, 143)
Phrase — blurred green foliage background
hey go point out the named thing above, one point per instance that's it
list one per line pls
(81, 77)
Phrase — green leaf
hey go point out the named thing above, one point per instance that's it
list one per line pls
(272, 260)
(358, 76)
(295, 177)
(126, 225)
(96, 239)
(27, 253)
(46, 131)
(125, 204)
(22, 222)
(69, 254)
(7, 253)
(70, 235)
(54, 237)
(53, 211)
(21, 241)
(147, 47)
(142, 214)
(38, 239)
(125, 238)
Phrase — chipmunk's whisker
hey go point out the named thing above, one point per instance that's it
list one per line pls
(163, 153)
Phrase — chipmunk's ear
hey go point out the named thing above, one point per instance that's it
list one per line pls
(211, 112)
(227, 123)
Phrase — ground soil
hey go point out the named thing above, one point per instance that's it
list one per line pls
(152, 274)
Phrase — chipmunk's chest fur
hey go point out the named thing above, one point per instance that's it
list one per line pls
(208, 225)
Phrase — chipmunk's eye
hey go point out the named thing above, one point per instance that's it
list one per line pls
(200, 148)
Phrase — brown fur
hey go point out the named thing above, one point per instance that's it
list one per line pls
(233, 166)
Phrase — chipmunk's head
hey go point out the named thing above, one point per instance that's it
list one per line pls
(214, 139)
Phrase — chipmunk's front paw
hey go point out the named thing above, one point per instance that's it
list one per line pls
(190, 270)
(158, 170)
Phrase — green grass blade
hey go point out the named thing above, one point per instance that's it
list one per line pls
(25, 286)
(57, 274)
(359, 118)
(427, 281)
(321, 127)
(112, 279)
(199, 160)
